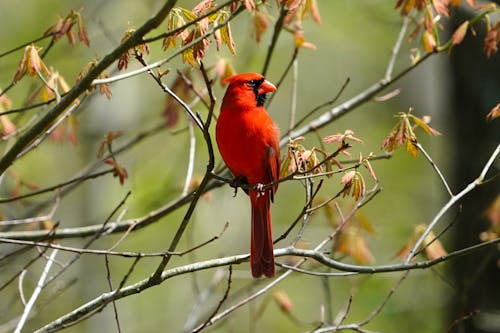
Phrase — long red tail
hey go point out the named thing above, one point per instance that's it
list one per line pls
(261, 252)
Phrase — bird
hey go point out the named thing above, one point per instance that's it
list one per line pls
(248, 142)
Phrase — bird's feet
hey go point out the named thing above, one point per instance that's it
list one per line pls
(238, 182)
(260, 188)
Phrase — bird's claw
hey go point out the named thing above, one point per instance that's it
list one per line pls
(238, 182)
(234, 184)
(260, 188)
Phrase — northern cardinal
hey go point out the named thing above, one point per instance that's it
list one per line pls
(248, 142)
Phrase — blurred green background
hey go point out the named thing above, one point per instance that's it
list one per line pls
(354, 41)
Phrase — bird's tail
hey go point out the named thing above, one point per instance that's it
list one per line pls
(261, 252)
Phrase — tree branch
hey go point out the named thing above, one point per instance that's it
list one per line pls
(135, 39)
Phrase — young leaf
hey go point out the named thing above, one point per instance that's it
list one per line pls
(8, 126)
(106, 142)
(224, 69)
(203, 7)
(283, 300)
(227, 38)
(82, 31)
(433, 247)
(428, 42)
(260, 23)
(312, 8)
(494, 113)
(5, 102)
(424, 124)
(300, 41)
(459, 34)
(30, 63)
(249, 5)
(119, 171)
(492, 39)
(350, 241)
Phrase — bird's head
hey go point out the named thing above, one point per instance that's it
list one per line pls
(248, 88)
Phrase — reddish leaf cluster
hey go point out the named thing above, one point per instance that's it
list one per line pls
(432, 13)
(119, 171)
(53, 86)
(140, 49)
(31, 63)
(404, 132)
(441, 7)
(342, 139)
(295, 12)
(196, 36)
(492, 39)
(354, 184)
(105, 144)
(64, 26)
(299, 159)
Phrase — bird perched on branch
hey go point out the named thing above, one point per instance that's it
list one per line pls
(248, 142)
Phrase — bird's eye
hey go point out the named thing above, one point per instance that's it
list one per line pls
(253, 83)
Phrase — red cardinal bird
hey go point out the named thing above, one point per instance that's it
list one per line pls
(248, 142)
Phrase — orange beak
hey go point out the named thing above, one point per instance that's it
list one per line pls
(266, 87)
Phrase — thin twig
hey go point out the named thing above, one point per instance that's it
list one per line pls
(109, 252)
(219, 305)
(287, 273)
(301, 215)
(31, 134)
(28, 220)
(47, 132)
(396, 48)
(434, 166)
(379, 308)
(156, 277)
(138, 287)
(192, 153)
(278, 27)
(313, 273)
(307, 214)
(451, 202)
(342, 315)
(36, 292)
(202, 296)
(293, 97)
(167, 59)
(94, 237)
(325, 104)
(19, 47)
(77, 179)
(110, 285)
(20, 286)
(351, 104)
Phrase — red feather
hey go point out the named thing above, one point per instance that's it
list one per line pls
(248, 142)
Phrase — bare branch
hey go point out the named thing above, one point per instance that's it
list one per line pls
(36, 292)
(453, 200)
